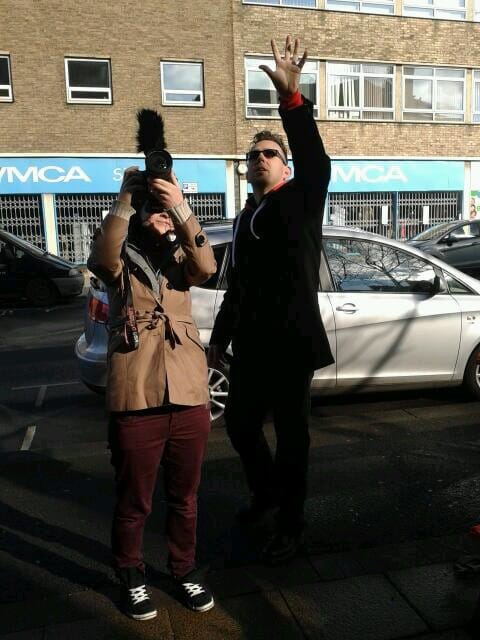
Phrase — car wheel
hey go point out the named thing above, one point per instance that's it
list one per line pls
(40, 292)
(471, 379)
(218, 390)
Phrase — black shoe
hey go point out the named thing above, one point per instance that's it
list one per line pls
(195, 593)
(256, 512)
(281, 548)
(137, 602)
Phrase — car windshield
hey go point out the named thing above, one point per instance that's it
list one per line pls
(433, 233)
(22, 244)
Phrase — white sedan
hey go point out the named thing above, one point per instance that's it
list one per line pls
(395, 318)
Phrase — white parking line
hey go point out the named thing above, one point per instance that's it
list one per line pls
(52, 384)
(27, 441)
(41, 396)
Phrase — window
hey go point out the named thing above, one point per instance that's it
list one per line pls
(455, 287)
(182, 83)
(364, 6)
(364, 266)
(465, 232)
(446, 9)
(476, 10)
(433, 94)
(360, 91)
(6, 94)
(88, 81)
(285, 3)
(476, 97)
(261, 96)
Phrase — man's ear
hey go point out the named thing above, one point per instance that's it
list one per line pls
(287, 172)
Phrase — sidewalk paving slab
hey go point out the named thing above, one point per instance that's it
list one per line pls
(360, 608)
(438, 595)
(261, 616)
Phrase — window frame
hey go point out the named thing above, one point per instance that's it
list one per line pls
(363, 6)
(280, 3)
(361, 75)
(70, 89)
(433, 111)
(274, 107)
(475, 80)
(9, 86)
(343, 239)
(180, 103)
(417, 4)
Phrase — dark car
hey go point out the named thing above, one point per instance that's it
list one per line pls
(28, 272)
(457, 243)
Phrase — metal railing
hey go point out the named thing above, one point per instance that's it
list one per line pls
(22, 216)
(207, 207)
(78, 216)
(394, 215)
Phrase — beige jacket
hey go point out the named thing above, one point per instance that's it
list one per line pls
(169, 364)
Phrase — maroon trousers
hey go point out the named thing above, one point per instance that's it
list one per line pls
(139, 442)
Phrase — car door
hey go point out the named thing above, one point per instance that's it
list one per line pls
(461, 247)
(204, 297)
(390, 329)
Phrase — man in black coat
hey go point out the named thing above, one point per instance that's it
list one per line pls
(270, 311)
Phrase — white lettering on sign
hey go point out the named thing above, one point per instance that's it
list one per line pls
(372, 173)
(47, 174)
(118, 174)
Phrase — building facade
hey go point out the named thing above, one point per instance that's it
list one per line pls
(395, 84)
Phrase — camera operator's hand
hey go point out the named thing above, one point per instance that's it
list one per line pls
(286, 76)
(167, 193)
(133, 180)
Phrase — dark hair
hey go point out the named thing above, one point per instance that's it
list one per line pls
(269, 135)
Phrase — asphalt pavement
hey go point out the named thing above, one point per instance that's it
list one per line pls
(394, 481)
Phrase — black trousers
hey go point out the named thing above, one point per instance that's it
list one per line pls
(283, 388)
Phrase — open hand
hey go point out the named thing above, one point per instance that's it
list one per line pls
(286, 76)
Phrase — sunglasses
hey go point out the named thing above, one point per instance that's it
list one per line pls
(268, 153)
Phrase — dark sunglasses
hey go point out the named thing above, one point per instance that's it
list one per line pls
(268, 153)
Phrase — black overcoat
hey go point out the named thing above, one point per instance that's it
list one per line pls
(270, 309)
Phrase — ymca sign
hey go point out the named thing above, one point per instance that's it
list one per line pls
(408, 175)
(19, 175)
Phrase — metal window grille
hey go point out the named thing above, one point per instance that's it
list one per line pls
(434, 206)
(22, 215)
(78, 215)
(361, 210)
(207, 207)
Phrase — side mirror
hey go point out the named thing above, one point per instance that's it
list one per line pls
(449, 240)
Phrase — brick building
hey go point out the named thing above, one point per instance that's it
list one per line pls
(396, 87)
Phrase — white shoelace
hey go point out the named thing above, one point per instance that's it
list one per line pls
(193, 589)
(139, 594)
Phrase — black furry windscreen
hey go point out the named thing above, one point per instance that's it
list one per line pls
(151, 131)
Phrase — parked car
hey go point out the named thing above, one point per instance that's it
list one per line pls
(396, 318)
(29, 272)
(457, 243)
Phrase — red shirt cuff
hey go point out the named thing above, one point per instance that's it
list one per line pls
(292, 101)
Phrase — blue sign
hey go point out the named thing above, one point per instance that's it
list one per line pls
(401, 175)
(98, 175)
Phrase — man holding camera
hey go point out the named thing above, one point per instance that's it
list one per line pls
(270, 310)
(148, 255)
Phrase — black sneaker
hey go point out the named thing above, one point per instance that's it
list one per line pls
(281, 548)
(196, 595)
(137, 602)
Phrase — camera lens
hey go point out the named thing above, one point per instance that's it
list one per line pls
(159, 163)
